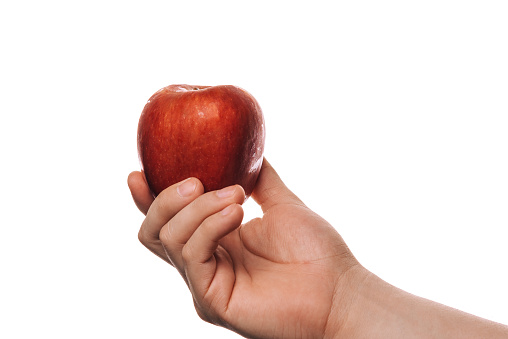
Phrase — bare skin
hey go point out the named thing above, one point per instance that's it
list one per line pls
(288, 274)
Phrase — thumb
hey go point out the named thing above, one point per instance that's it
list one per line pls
(270, 190)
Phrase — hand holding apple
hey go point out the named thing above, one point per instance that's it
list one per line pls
(213, 133)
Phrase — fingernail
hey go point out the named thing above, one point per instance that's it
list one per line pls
(227, 210)
(186, 188)
(226, 192)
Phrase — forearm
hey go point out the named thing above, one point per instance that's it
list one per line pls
(380, 310)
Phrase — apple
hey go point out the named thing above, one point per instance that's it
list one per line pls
(213, 133)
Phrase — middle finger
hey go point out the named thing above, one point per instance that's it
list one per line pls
(177, 231)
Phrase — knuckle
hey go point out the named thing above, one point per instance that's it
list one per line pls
(165, 200)
(164, 234)
(161, 203)
(187, 253)
(142, 237)
(201, 203)
(202, 315)
(207, 201)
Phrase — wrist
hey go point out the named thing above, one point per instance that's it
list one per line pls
(344, 320)
(366, 306)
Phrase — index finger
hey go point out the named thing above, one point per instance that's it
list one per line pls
(167, 204)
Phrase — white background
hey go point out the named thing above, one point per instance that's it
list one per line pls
(389, 118)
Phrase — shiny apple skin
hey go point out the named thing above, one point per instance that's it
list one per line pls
(213, 133)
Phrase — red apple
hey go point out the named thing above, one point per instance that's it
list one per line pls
(213, 133)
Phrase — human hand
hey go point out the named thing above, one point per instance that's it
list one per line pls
(283, 275)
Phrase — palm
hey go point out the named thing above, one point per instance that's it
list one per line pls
(283, 269)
